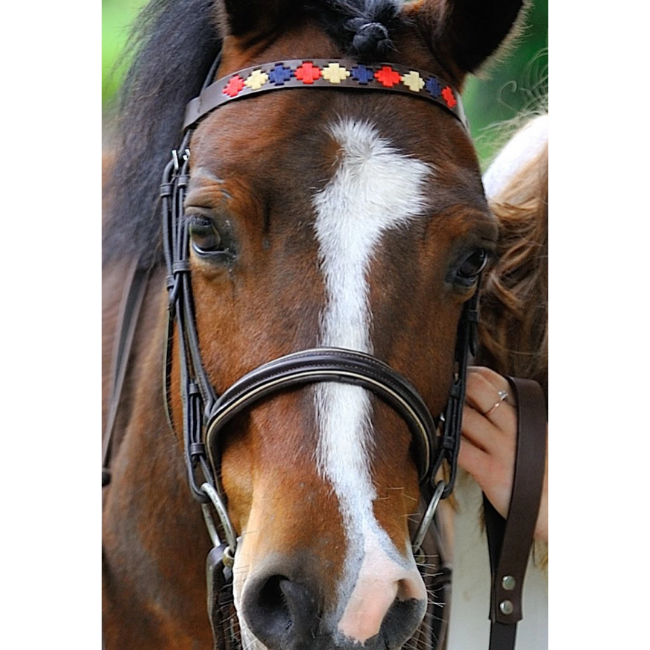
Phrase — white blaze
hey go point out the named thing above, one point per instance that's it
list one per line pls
(374, 189)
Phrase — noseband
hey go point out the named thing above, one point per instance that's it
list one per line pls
(204, 412)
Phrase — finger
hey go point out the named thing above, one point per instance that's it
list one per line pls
(494, 378)
(472, 459)
(480, 393)
(492, 476)
(496, 435)
(499, 382)
(484, 398)
(479, 430)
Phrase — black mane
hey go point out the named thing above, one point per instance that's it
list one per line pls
(173, 45)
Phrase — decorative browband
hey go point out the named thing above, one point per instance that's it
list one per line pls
(325, 73)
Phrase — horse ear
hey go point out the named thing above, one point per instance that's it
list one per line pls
(466, 32)
(253, 17)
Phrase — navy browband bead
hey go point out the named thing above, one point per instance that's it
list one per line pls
(325, 73)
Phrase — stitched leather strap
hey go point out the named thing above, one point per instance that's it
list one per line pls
(327, 364)
(344, 74)
(510, 540)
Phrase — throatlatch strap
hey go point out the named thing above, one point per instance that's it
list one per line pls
(510, 541)
(134, 290)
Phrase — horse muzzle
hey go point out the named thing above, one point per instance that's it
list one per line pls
(289, 613)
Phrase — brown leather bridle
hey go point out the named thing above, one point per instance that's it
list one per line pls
(205, 413)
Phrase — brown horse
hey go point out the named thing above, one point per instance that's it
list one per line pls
(350, 225)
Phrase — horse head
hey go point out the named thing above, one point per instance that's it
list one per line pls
(322, 219)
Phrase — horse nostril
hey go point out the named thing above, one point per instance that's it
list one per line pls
(272, 606)
(280, 613)
(401, 621)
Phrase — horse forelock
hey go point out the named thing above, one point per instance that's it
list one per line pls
(360, 27)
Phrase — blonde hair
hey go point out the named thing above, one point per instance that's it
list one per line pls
(513, 331)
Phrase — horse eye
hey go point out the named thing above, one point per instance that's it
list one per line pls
(205, 237)
(473, 265)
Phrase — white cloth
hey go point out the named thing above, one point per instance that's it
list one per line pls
(523, 147)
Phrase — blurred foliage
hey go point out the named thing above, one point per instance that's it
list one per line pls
(117, 16)
(514, 84)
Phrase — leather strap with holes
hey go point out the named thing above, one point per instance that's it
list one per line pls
(510, 540)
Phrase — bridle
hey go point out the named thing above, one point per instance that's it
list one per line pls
(204, 412)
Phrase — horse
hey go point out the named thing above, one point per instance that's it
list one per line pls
(295, 230)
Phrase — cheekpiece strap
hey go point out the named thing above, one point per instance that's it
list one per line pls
(325, 73)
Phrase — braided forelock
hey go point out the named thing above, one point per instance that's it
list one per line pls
(360, 27)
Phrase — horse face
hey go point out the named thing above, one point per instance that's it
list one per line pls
(329, 219)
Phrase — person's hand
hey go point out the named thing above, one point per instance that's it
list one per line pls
(489, 439)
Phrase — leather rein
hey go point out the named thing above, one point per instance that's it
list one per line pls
(204, 412)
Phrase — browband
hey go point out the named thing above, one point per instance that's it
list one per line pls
(325, 73)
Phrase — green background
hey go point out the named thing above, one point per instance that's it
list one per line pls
(517, 83)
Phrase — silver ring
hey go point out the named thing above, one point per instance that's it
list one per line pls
(503, 396)
(219, 506)
(427, 518)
